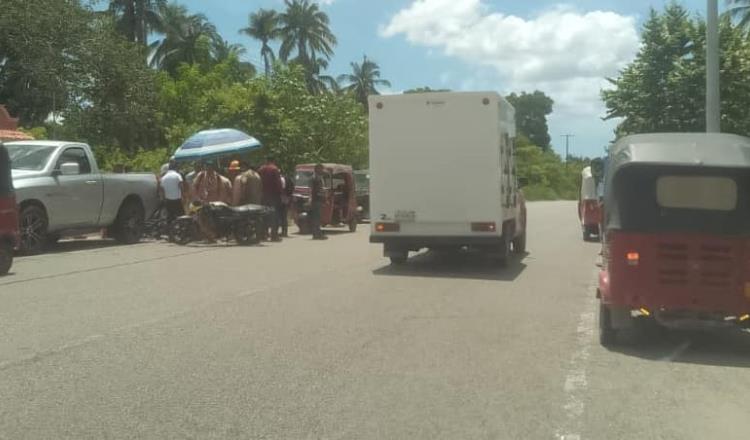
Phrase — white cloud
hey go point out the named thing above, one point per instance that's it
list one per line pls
(562, 51)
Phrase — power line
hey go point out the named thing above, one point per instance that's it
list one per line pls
(567, 145)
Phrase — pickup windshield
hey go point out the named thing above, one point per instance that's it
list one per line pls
(29, 157)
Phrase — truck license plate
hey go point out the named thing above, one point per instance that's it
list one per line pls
(406, 216)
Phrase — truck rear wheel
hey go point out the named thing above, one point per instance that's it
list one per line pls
(33, 226)
(505, 250)
(6, 257)
(519, 244)
(128, 227)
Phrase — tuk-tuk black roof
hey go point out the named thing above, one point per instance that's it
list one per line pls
(704, 150)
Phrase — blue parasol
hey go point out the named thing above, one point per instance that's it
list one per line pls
(211, 144)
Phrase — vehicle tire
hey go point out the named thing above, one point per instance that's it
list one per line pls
(400, 259)
(607, 334)
(182, 231)
(353, 224)
(6, 257)
(245, 234)
(505, 251)
(128, 227)
(519, 244)
(33, 227)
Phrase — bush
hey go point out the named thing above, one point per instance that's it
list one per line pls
(114, 159)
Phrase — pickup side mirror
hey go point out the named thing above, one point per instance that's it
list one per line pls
(70, 169)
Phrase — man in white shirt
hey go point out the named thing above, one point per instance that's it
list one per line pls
(171, 185)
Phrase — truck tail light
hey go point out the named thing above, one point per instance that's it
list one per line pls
(634, 258)
(484, 227)
(387, 227)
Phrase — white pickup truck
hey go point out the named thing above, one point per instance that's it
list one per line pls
(60, 191)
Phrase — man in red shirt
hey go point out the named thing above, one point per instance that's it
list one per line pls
(270, 177)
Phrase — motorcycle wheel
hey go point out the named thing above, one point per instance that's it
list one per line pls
(182, 231)
(245, 234)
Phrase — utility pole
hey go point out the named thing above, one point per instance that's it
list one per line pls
(567, 145)
(713, 93)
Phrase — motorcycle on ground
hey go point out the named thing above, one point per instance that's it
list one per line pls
(244, 223)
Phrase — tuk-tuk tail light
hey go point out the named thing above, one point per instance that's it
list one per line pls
(634, 258)
(387, 227)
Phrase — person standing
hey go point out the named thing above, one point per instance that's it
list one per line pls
(172, 186)
(317, 197)
(247, 188)
(272, 189)
(286, 201)
(210, 186)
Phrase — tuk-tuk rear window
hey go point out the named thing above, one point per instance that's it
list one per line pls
(683, 199)
(697, 192)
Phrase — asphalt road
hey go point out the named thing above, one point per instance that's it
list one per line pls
(323, 340)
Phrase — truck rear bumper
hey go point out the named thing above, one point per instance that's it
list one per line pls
(421, 242)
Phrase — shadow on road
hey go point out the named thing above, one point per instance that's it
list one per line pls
(66, 246)
(728, 348)
(468, 265)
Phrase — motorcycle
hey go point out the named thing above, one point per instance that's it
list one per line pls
(244, 223)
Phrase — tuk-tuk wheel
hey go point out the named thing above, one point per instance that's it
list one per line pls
(6, 257)
(607, 334)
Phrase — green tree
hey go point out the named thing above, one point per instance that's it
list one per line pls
(264, 26)
(136, 19)
(188, 38)
(532, 110)
(40, 41)
(663, 89)
(740, 11)
(364, 80)
(305, 29)
(114, 93)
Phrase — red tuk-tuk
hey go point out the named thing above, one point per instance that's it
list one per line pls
(8, 213)
(340, 205)
(589, 208)
(676, 243)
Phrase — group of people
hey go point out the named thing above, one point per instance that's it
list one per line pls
(240, 185)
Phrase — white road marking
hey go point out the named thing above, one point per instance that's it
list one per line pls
(576, 380)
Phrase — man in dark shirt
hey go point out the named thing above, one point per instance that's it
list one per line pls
(270, 177)
(317, 197)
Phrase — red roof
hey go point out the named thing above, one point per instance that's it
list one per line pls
(14, 135)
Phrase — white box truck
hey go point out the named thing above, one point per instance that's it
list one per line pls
(443, 174)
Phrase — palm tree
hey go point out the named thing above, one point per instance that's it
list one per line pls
(264, 27)
(305, 29)
(363, 80)
(187, 39)
(136, 19)
(224, 50)
(740, 11)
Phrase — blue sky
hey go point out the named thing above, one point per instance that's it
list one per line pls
(562, 48)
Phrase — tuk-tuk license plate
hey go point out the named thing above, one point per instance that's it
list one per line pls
(406, 216)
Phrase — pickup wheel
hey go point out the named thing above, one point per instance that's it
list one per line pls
(33, 227)
(6, 257)
(128, 228)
